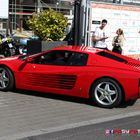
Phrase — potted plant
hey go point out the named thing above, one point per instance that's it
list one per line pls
(49, 26)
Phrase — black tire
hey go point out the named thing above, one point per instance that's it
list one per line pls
(6, 52)
(131, 102)
(106, 93)
(6, 79)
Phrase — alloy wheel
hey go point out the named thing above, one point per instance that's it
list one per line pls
(4, 78)
(106, 93)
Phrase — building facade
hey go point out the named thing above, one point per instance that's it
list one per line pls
(19, 10)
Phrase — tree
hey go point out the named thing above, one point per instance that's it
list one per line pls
(48, 25)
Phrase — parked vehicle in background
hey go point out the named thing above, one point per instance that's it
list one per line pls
(22, 43)
(7, 46)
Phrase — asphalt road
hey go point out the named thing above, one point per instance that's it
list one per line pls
(98, 131)
(25, 114)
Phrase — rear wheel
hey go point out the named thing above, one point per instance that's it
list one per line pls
(6, 79)
(106, 93)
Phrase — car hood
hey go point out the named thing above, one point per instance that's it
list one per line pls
(10, 58)
(12, 62)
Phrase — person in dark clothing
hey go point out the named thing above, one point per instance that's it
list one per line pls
(118, 41)
(60, 59)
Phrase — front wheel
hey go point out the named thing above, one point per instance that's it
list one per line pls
(6, 79)
(106, 93)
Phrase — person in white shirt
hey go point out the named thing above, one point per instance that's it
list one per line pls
(99, 36)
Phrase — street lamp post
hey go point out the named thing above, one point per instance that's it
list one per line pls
(121, 1)
(56, 5)
(15, 16)
(114, 1)
(38, 6)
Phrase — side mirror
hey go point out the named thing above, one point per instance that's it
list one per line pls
(28, 59)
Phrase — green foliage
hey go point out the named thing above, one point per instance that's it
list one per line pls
(48, 25)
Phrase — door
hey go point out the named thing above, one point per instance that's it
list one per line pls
(46, 72)
(77, 66)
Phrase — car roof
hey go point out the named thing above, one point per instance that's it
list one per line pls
(82, 49)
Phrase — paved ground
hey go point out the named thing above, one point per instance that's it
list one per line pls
(97, 131)
(28, 113)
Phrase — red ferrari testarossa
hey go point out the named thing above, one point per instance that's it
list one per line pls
(107, 78)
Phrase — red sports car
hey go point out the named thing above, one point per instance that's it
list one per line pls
(105, 77)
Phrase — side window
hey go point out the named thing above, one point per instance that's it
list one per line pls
(77, 59)
(44, 59)
(53, 58)
(62, 58)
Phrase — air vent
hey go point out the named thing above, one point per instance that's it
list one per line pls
(136, 65)
(51, 80)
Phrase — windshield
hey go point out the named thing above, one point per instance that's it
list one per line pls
(23, 57)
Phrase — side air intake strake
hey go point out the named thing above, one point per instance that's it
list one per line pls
(51, 80)
(133, 64)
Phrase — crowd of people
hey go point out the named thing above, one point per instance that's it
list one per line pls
(99, 38)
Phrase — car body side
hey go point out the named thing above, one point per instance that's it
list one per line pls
(97, 67)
